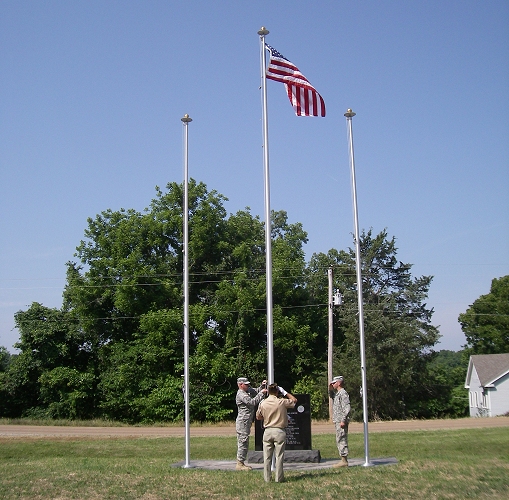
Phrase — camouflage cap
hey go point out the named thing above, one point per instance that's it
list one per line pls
(243, 380)
(339, 378)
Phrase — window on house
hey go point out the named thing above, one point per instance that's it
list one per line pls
(484, 401)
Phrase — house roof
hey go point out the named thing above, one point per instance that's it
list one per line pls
(489, 367)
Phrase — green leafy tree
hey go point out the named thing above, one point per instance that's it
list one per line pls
(67, 393)
(399, 335)
(243, 324)
(447, 372)
(486, 322)
(141, 378)
(5, 359)
(49, 340)
(126, 292)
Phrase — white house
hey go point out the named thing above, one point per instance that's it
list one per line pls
(488, 384)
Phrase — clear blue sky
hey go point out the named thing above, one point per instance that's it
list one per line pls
(92, 92)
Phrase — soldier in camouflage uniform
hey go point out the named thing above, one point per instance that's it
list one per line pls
(340, 417)
(247, 398)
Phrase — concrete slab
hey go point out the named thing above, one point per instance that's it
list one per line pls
(229, 465)
(256, 457)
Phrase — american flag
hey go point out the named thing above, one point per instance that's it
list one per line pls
(303, 96)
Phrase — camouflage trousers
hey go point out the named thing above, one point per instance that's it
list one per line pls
(243, 431)
(342, 439)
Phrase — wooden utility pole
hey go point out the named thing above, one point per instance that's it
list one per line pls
(331, 337)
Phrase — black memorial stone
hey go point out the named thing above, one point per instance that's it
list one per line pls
(298, 435)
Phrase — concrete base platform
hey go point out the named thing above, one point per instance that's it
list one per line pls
(290, 456)
(229, 465)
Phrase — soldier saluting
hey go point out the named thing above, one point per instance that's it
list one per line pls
(340, 417)
(246, 399)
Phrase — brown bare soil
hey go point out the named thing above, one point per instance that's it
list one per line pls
(47, 431)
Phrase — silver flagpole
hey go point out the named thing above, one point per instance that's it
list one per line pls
(186, 120)
(331, 336)
(349, 115)
(268, 240)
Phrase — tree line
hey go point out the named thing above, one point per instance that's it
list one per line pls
(114, 349)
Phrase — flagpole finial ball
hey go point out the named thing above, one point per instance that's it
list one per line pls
(263, 31)
(349, 113)
(187, 118)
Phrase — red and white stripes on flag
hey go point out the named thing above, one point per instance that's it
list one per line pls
(303, 96)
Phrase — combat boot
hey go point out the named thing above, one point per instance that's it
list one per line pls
(342, 463)
(241, 466)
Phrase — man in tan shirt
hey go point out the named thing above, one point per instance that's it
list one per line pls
(273, 412)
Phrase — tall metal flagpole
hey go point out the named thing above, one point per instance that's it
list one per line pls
(186, 120)
(349, 115)
(268, 241)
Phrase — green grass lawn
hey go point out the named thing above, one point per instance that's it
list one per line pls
(460, 464)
